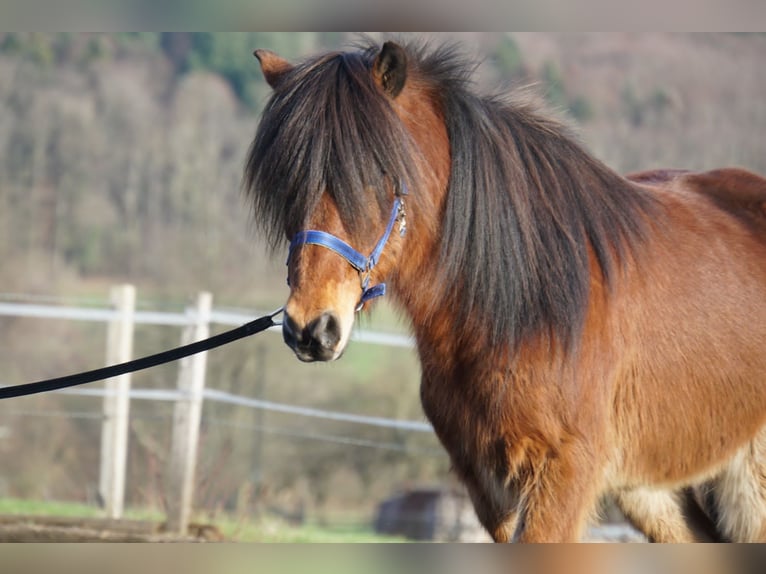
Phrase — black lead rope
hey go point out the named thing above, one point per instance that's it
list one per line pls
(251, 328)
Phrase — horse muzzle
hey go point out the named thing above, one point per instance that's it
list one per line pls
(318, 340)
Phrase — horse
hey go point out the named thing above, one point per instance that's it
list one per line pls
(580, 333)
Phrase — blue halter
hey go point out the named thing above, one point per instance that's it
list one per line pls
(364, 265)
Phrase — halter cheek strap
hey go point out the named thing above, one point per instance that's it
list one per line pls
(364, 265)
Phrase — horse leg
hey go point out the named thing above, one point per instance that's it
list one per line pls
(665, 516)
(739, 494)
(562, 498)
(495, 507)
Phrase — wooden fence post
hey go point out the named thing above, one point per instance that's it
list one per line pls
(186, 422)
(114, 428)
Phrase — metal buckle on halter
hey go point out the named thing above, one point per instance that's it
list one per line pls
(364, 277)
(274, 314)
(369, 292)
(402, 217)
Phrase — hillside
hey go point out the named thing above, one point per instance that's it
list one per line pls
(121, 156)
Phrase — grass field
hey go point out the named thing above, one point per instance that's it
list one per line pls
(261, 530)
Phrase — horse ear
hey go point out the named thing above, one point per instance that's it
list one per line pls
(273, 67)
(390, 68)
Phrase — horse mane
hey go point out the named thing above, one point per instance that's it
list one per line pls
(524, 203)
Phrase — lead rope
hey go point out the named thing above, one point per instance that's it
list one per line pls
(251, 328)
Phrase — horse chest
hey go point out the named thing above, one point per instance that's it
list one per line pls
(463, 416)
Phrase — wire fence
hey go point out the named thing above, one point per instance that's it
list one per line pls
(289, 455)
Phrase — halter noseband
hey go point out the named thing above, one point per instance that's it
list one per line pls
(364, 265)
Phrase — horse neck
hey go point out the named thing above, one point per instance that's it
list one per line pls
(545, 301)
(416, 281)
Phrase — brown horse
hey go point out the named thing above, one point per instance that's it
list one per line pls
(580, 333)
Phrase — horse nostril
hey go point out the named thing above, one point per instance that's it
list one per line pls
(289, 331)
(324, 331)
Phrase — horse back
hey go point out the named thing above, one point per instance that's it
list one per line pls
(656, 176)
(737, 191)
(734, 190)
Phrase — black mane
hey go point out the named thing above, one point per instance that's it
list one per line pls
(525, 201)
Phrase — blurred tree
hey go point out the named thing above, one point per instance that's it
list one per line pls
(231, 55)
(554, 85)
(11, 43)
(557, 95)
(580, 108)
(634, 109)
(509, 59)
(40, 49)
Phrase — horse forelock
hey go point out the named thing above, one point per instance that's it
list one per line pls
(327, 128)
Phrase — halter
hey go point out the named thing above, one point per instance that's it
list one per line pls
(363, 265)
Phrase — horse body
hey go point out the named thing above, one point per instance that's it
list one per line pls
(694, 325)
(662, 394)
(591, 334)
(691, 402)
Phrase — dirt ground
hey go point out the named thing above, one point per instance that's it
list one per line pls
(19, 528)
(58, 529)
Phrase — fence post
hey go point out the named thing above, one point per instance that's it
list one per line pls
(186, 421)
(114, 428)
